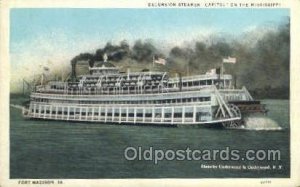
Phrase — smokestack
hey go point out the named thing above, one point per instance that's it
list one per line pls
(73, 74)
(180, 82)
(234, 77)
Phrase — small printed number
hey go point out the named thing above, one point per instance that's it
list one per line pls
(265, 182)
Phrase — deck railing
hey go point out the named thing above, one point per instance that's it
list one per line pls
(200, 77)
(121, 91)
(202, 103)
(170, 95)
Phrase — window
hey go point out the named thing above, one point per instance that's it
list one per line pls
(188, 114)
(177, 115)
(168, 115)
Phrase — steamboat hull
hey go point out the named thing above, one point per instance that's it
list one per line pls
(212, 124)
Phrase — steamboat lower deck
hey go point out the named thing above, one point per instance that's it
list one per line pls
(174, 115)
(204, 106)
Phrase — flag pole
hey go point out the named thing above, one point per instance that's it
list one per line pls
(23, 87)
(152, 62)
(223, 75)
(42, 79)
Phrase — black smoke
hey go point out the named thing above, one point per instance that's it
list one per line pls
(262, 64)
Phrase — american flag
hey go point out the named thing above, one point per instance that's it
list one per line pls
(160, 61)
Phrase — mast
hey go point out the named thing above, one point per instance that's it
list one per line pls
(222, 71)
(42, 78)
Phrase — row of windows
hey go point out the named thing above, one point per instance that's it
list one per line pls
(198, 83)
(166, 101)
(107, 87)
(124, 78)
(170, 85)
(193, 83)
(109, 114)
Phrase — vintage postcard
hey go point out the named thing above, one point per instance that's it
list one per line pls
(149, 93)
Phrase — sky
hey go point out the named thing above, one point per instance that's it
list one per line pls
(55, 36)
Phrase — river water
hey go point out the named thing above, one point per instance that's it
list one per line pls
(56, 149)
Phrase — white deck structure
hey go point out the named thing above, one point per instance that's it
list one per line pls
(107, 96)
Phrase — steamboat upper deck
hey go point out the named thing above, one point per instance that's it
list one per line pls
(108, 80)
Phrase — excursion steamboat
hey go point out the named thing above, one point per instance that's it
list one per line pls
(107, 95)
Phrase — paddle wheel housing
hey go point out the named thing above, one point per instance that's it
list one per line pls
(250, 107)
